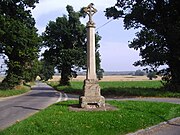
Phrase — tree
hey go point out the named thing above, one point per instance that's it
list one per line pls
(46, 71)
(99, 70)
(32, 70)
(66, 40)
(139, 73)
(159, 38)
(18, 40)
(151, 75)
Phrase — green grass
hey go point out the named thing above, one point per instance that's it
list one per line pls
(123, 89)
(130, 117)
(20, 90)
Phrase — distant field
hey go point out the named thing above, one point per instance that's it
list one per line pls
(105, 78)
(110, 78)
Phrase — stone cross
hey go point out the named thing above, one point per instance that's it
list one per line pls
(92, 97)
(90, 10)
(91, 58)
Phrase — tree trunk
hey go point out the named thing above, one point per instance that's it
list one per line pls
(65, 75)
(174, 61)
(13, 78)
(175, 73)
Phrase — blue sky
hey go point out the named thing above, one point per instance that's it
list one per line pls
(115, 54)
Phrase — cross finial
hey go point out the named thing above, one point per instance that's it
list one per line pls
(90, 10)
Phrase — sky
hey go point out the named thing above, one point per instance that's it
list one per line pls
(114, 50)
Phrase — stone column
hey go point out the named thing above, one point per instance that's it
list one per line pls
(92, 97)
(91, 58)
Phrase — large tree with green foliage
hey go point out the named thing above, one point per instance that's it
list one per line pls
(46, 70)
(159, 38)
(66, 42)
(18, 40)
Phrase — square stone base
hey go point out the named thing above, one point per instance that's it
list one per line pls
(92, 102)
(92, 97)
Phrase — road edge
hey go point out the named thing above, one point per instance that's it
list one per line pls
(160, 125)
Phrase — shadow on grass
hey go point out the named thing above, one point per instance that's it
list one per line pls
(133, 108)
(69, 90)
(132, 92)
(125, 92)
(136, 109)
(122, 91)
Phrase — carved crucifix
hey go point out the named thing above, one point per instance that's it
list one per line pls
(90, 10)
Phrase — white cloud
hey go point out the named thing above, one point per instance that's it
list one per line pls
(46, 6)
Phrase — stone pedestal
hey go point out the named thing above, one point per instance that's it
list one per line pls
(92, 97)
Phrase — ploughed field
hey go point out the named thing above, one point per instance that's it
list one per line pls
(109, 78)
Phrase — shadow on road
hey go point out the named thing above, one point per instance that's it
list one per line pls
(43, 94)
(29, 108)
(42, 88)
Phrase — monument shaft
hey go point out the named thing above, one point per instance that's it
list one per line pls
(91, 57)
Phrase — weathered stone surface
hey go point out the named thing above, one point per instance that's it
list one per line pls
(92, 97)
(77, 107)
(91, 54)
(92, 102)
(90, 10)
(91, 88)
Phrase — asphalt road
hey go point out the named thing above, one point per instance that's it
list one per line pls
(20, 107)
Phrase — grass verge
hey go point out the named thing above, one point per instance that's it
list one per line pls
(18, 90)
(131, 116)
(122, 89)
